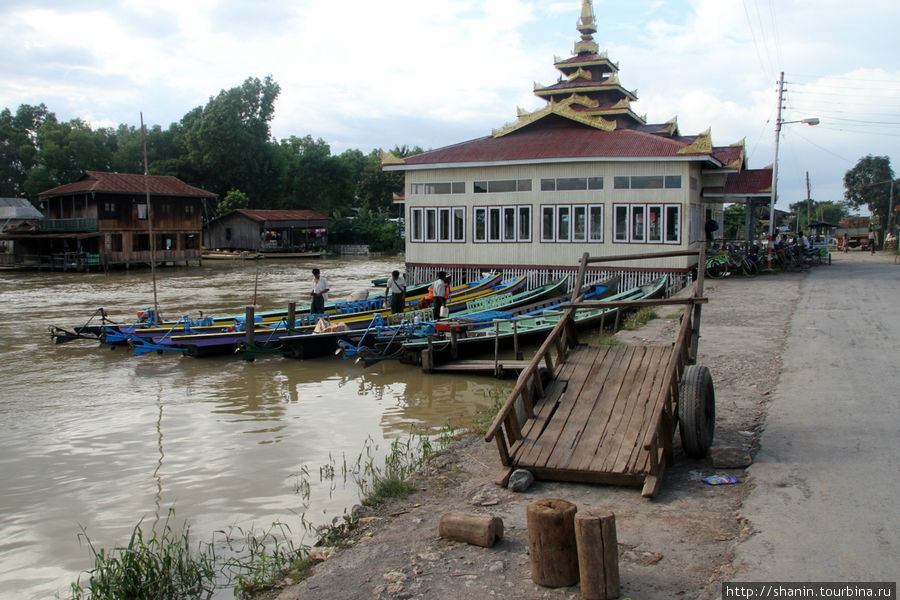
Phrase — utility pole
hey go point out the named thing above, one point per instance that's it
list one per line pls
(775, 163)
(807, 201)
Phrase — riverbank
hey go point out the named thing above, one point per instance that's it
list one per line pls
(675, 545)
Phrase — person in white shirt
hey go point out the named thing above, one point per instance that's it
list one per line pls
(319, 293)
(441, 290)
(804, 241)
(396, 290)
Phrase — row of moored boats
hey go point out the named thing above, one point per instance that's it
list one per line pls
(483, 315)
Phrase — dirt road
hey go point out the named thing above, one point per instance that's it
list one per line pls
(681, 544)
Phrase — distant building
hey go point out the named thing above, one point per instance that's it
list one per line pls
(583, 174)
(104, 219)
(268, 231)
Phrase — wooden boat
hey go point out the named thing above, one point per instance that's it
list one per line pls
(275, 254)
(227, 340)
(397, 327)
(467, 341)
(229, 255)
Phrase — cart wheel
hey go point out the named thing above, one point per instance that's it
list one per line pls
(697, 410)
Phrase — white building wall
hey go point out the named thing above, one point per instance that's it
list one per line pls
(536, 252)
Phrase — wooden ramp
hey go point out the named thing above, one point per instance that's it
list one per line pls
(592, 423)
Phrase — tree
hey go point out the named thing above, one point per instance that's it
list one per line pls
(233, 200)
(226, 143)
(65, 151)
(18, 146)
(869, 183)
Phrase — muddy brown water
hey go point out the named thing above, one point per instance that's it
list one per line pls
(100, 439)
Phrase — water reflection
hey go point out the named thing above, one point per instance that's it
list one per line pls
(99, 439)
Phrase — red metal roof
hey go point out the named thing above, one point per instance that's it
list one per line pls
(750, 182)
(282, 215)
(559, 138)
(127, 183)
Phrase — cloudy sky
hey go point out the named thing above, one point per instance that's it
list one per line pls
(364, 74)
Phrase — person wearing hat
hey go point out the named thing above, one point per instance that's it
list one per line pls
(441, 289)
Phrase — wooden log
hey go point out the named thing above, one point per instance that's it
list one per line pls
(481, 530)
(551, 541)
(598, 554)
(249, 325)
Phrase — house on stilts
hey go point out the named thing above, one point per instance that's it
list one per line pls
(582, 174)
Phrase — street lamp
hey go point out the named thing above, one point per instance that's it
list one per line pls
(778, 123)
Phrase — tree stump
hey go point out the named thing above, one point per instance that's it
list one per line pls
(481, 530)
(598, 554)
(551, 541)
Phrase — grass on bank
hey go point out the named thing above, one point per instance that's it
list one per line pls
(166, 566)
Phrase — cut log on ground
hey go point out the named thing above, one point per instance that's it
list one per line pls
(551, 540)
(598, 554)
(480, 530)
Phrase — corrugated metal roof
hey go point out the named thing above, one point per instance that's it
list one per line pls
(282, 215)
(749, 182)
(18, 208)
(556, 139)
(127, 183)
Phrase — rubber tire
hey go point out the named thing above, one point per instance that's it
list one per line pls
(295, 352)
(696, 410)
(717, 270)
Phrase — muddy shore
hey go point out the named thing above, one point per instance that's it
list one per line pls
(676, 545)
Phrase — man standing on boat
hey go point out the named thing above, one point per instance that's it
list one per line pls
(319, 293)
(396, 289)
(441, 289)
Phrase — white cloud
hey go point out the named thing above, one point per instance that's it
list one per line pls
(363, 75)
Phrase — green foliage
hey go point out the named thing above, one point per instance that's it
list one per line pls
(812, 211)
(233, 200)
(869, 184)
(259, 559)
(163, 567)
(639, 318)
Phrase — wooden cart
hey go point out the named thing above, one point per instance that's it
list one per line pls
(607, 414)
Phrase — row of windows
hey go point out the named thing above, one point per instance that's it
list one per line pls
(563, 223)
(554, 184)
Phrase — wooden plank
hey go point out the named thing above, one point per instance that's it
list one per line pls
(658, 396)
(580, 365)
(535, 438)
(598, 403)
(642, 408)
(568, 426)
(603, 424)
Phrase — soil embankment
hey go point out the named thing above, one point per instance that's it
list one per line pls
(673, 546)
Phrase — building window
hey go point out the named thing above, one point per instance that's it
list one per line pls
(494, 224)
(569, 184)
(647, 182)
(188, 209)
(142, 211)
(502, 185)
(548, 218)
(480, 233)
(595, 223)
(416, 221)
(459, 224)
(524, 223)
(563, 223)
(444, 225)
(673, 224)
(572, 223)
(579, 223)
(430, 224)
(228, 234)
(455, 187)
(647, 223)
(509, 223)
(654, 223)
(693, 183)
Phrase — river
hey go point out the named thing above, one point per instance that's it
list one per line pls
(97, 439)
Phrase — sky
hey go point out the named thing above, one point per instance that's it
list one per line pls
(366, 75)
